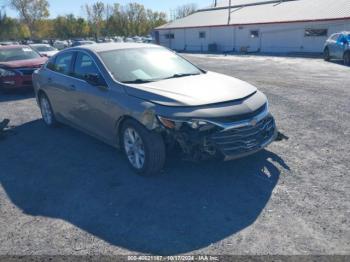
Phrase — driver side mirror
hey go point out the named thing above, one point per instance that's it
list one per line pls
(96, 80)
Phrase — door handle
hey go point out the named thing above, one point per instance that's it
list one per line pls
(49, 80)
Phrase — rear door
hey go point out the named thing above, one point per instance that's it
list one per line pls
(58, 84)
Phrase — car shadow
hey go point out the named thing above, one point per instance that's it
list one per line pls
(61, 173)
(337, 62)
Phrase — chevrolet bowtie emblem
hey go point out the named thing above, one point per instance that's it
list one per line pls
(253, 122)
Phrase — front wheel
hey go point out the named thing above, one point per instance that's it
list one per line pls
(144, 149)
(326, 55)
(347, 59)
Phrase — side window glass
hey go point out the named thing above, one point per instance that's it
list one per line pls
(84, 66)
(341, 38)
(335, 37)
(51, 64)
(63, 63)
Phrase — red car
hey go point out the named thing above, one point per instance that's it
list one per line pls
(17, 64)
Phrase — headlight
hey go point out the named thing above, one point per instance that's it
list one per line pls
(200, 125)
(4, 72)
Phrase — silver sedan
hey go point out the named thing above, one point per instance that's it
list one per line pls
(144, 99)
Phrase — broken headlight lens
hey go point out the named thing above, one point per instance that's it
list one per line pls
(201, 125)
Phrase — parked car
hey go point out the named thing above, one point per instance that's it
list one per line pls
(60, 44)
(137, 39)
(147, 39)
(129, 40)
(338, 47)
(17, 64)
(7, 43)
(44, 49)
(119, 39)
(80, 43)
(144, 98)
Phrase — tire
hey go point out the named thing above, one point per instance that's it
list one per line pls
(47, 112)
(347, 59)
(326, 55)
(150, 143)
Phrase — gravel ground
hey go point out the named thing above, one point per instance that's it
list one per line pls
(63, 192)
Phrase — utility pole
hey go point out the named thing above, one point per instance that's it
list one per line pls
(229, 13)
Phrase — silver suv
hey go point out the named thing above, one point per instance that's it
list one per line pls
(338, 47)
(144, 98)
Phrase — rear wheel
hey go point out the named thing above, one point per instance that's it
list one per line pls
(46, 111)
(144, 149)
(326, 54)
(347, 59)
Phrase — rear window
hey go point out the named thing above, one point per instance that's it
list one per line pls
(18, 53)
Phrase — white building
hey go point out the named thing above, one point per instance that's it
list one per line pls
(258, 26)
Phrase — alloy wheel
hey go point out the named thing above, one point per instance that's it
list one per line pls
(134, 148)
(46, 111)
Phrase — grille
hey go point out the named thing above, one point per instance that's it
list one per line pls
(245, 139)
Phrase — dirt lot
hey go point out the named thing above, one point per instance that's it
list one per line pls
(63, 192)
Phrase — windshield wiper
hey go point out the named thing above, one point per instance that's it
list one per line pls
(182, 75)
(138, 81)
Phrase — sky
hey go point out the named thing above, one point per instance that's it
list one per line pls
(63, 7)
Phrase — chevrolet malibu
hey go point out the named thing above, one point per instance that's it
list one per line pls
(147, 100)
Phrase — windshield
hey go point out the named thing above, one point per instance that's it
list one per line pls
(43, 48)
(146, 65)
(20, 53)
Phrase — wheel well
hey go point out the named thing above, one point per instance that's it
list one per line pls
(41, 93)
(119, 126)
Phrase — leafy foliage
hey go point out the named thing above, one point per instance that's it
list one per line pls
(101, 20)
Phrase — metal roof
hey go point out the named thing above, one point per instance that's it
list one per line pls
(264, 12)
(113, 46)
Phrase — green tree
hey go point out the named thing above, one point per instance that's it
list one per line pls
(12, 29)
(95, 15)
(185, 10)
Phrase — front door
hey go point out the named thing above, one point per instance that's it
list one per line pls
(93, 108)
(340, 46)
(254, 41)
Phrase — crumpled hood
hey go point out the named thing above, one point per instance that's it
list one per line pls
(24, 63)
(204, 89)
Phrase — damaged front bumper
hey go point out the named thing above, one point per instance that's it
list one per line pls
(241, 142)
(227, 142)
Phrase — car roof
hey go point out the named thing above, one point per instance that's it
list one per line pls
(39, 45)
(115, 46)
(13, 46)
